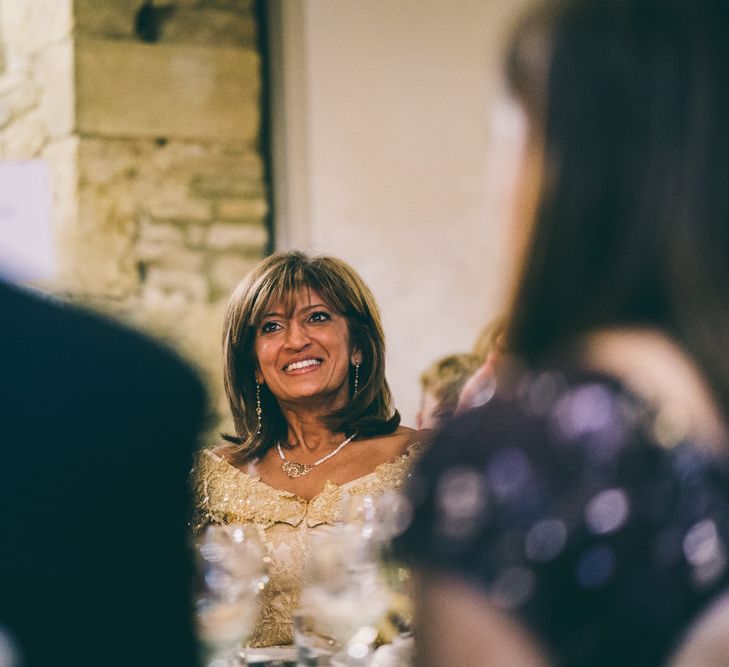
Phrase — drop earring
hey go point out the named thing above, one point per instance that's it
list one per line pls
(259, 411)
(356, 378)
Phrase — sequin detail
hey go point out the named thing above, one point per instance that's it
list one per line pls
(566, 503)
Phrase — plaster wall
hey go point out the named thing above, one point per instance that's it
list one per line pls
(384, 155)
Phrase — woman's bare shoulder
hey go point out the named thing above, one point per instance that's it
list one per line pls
(399, 441)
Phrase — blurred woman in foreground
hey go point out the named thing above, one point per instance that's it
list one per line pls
(581, 517)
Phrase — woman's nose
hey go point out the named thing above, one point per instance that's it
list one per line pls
(296, 336)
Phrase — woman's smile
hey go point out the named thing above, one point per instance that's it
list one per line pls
(306, 365)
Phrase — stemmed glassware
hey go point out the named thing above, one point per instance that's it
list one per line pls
(379, 517)
(345, 595)
(231, 572)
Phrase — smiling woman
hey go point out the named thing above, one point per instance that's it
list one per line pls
(276, 310)
(304, 357)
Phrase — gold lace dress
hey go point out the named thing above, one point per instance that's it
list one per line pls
(224, 495)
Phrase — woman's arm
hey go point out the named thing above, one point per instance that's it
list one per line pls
(455, 625)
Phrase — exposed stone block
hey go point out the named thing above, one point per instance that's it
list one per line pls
(54, 73)
(162, 242)
(102, 162)
(182, 21)
(169, 257)
(196, 235)
(31, 25)
(62, 159)
(178, 3)
(97, 261)
(246, 162)
(227, 185)
(203, 26)
(242, 235)
(106, 18)
(25, 137)
(19, 94)
(171, 200)
(163, 284)
(95, 210)
(242, 209)
(242, 6)
(158, 301)
(227, 270)
(5, 114)
(162, 232)
(127, 89)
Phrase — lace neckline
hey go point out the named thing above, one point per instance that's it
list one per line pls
(412, 450)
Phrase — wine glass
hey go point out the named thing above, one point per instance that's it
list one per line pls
(377, 517)
(344, 594)
(231, 572)
(342, 599)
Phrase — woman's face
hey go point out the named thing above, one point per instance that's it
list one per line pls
(304, 356)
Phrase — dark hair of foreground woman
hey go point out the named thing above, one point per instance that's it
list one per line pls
(632, 114)
(581, 516)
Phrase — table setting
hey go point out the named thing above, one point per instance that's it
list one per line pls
(355, 605)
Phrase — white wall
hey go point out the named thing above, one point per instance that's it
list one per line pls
(381, 132)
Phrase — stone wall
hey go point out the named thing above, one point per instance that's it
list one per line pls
(149, 117)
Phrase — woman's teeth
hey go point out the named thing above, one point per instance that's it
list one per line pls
(302, 364)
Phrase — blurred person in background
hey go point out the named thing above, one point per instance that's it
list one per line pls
(581, 516)
(304, 357)
(440, 386)
(99, 426)
(480, 386)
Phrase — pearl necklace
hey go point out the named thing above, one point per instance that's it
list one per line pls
(294, 469)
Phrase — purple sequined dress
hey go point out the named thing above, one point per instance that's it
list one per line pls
(581, 511)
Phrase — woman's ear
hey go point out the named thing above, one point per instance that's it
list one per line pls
(259, 376)
(356, 357)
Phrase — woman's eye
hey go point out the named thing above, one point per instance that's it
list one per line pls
(269, 327)
(320, 316)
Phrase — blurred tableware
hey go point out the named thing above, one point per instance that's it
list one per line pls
(344, 595)
(378, 517)
(231, 573)
(397, 654)
(270, 656)
(343, 599)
